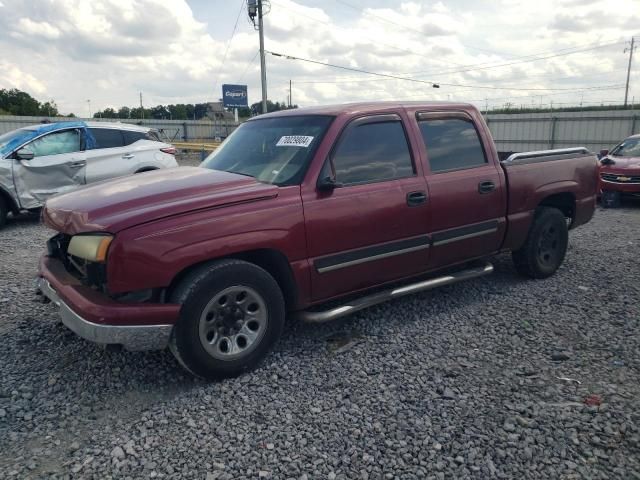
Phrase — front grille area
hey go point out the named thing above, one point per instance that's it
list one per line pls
(620, 178)
(89, 273)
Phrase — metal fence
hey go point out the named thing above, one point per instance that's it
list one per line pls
(541, 131)
(170, 130)
(512, 132)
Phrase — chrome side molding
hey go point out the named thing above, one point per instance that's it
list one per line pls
(373, 299)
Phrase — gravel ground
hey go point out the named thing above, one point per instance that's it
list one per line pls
(499, 377)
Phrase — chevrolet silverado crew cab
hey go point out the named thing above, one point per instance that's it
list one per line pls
(316, 213)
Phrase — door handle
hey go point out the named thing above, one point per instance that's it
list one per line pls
(416, 198)
(78, 164)
(486, 187)
(128, 156)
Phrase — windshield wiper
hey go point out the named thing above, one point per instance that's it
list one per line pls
(241, 173)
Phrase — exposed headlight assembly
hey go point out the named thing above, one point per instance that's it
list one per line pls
(90, 247)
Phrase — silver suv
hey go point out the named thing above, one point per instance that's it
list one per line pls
(39, 161)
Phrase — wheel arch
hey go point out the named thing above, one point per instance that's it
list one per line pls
(146, 169)
(11, 203)
(271, 260)
(564, 201)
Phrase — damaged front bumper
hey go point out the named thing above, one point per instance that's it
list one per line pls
(97, 318)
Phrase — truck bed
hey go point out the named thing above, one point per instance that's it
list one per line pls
(534, 176)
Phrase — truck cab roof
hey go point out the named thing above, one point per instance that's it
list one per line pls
(366, 107)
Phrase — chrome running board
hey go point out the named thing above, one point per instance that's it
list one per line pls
(373, 299)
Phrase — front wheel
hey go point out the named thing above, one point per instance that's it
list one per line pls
(232, 314)
(546, 245)
(610, 199)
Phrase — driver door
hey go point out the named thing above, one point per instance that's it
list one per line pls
(58, 165)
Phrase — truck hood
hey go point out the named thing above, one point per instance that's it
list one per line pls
(622, 165)
(118, 204)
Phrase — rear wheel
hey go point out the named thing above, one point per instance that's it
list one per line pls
(4, 211)
(546, 245)
(232, 314)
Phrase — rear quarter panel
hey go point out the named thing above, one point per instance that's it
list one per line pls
(529, 184)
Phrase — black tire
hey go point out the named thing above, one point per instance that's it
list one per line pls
(4, 211)
(610, 199)
(546, 244)
(204, 328)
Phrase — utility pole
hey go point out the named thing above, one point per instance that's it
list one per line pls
(255, 9)
(630, 49)
(89, 103)
(263, 66)
(141, 107)
(290, 97)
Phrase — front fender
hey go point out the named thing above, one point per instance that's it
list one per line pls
(152, 255)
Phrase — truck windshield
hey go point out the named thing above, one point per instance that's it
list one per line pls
(629, 148)
(272, 150)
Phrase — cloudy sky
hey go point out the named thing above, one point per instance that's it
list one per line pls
(181, 51)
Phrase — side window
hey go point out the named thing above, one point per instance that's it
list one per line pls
(107, 137)
(372, 152)
(132, 137)
(56, 143)
(452, 144)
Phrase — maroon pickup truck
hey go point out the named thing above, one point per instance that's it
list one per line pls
(316, 213)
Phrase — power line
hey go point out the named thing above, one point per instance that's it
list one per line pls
(224, 57)
(552, 76)
(479, 66)
(408, 79)
(249, 63)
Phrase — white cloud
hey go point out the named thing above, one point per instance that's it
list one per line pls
(14, 77)
(110, 50)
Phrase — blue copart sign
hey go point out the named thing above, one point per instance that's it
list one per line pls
(234, 96)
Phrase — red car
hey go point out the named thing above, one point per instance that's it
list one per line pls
(620, 172)
(293, 213)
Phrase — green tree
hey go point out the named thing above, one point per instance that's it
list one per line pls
(17, 102)
(178, 112)
(124, 112)
(50, 109)
(160, 112)
(256, 108)
(106, 113)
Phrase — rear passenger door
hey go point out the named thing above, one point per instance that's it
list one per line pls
(108, 156)
(466, 191)
(372, 227)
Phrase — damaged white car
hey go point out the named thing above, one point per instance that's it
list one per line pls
(39, 161)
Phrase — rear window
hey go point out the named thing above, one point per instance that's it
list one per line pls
(107, 137)
(452, 144)
(132, 137)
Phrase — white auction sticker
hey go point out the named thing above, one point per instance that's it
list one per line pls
(294, 141)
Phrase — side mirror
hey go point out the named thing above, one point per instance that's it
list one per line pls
(604, 153)
(327, 184)
(24, 154)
